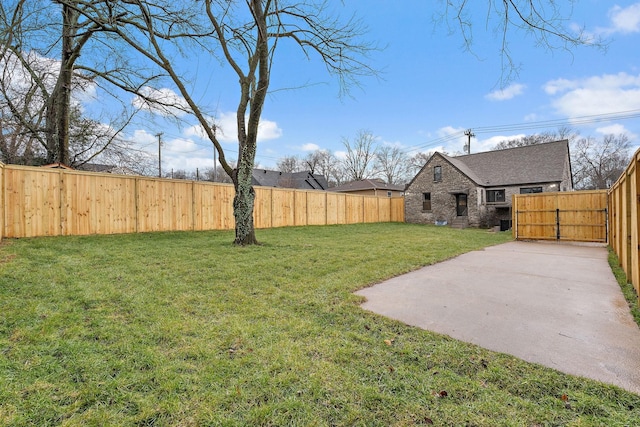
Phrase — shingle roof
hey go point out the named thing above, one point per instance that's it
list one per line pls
(521, 165)
(301, 180)
(367, 184)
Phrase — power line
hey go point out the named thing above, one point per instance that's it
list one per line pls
(572, 121)
(579, 120)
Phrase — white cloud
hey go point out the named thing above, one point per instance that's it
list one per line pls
(21, 80)
(340, 155)
(625, 20)
(449, 130)
(181, 145)
(616, 129)
(507, 93)
(489, 143)
(611, 129)
(195, 131)
(268, 129)
(622, 20)
(559, 85)
(310, 147)
(142, 137)
(185, 154)
(397, 144)
(227, 129)
(186, 163)
(164, 102)
(608, 93)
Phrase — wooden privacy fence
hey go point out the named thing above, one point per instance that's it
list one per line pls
(624, 217)
(51, 202)
(572, 216)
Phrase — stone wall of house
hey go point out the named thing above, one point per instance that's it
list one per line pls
(443, 201)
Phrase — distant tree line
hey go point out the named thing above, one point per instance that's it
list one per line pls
(364, 157)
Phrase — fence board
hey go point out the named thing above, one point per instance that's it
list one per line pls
(335, 206)
(49, 202)
(316, 208)
(213, 206)
(370, 209)
(33, 202)
(100, 205)
(397, 209)
(262, 212)
(164, 205)
(354, 209)
(282, 205)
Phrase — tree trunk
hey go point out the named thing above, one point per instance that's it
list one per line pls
(243, 203)
(58, 108)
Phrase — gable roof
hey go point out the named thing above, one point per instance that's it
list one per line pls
(521, 165)
(367, 184)
(57, 165)
(301, 180)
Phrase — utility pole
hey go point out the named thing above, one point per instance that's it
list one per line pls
(469, 135)
(159, 135)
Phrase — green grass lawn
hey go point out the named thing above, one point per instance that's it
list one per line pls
(185, 329)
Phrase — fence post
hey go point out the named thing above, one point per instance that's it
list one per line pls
(2, 201)
(557, 224)
(606, 225)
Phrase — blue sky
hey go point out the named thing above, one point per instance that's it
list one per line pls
(430, 89)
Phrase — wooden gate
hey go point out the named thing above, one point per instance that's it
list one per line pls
(572, 216)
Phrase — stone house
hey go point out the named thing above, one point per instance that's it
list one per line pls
(475, 189)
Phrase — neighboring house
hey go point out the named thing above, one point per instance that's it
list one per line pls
(475, 190)
(372, 187)
(300, 180)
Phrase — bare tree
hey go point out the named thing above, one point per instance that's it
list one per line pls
(17, 29)
(360, 156)
(217, 175)
(290, 164)
(245, 35)
(543, 20)
(417, 162)
(41, 46)
(325, 163)
(599, 163)
(392, 163)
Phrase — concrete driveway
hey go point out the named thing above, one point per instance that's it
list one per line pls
(554, 304)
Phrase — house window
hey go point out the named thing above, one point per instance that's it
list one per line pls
(530, 190)
(495, 196)
(388, 193)
(426, 202)
(437, 173)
